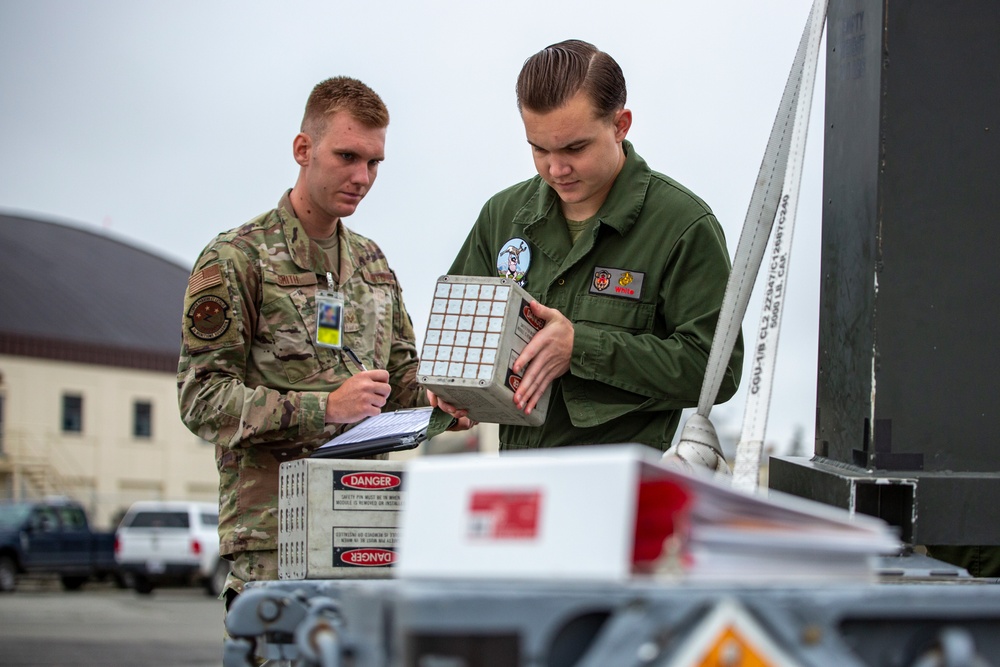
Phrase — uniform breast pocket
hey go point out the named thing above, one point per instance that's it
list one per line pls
(290, 320)
(613, 314)
(368, 324)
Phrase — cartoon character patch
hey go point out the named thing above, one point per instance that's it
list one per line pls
(514, 260)
(601, 280)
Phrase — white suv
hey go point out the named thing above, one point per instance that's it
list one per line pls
(170, 542)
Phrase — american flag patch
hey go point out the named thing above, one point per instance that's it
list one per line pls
(210, 276)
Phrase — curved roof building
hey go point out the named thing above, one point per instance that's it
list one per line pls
(74, 295)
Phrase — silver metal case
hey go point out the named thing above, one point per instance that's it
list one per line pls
(476, 330)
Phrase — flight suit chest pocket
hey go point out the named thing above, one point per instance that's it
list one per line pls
(288, 318)
(613, 314)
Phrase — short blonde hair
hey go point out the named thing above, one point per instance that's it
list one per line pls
(342, 93)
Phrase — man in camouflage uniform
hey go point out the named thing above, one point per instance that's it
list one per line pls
(251, 378)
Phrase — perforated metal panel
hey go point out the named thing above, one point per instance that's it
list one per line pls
(476, 330)
(337, 518)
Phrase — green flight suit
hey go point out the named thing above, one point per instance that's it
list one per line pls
(252, 381)
(643, 290)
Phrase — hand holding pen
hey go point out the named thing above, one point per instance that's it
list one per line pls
(362, 395)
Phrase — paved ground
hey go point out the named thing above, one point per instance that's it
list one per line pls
(102, 625)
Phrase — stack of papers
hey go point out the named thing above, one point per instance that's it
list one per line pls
(381, 434)
(734, 536)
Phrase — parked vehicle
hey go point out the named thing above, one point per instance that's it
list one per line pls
(169, 543)
(52, 537)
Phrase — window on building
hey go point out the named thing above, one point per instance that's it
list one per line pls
(72, 413)
(142, 419)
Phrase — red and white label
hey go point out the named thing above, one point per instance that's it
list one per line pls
(368, 557)
(504, 515)
(534, 321)
(370, 480)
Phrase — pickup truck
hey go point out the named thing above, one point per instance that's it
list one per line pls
(162, 543)
(52, 537)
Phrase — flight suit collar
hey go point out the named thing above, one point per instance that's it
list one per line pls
(624, 203)
(620, 210)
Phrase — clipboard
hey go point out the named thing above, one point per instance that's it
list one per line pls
(387, 432)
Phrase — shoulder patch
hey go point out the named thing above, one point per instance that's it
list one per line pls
(211, 317)
(208, 317)
(202, 280)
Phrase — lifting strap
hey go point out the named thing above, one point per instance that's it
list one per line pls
(774, 196)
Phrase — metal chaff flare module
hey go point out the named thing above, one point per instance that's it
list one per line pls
(476, 330)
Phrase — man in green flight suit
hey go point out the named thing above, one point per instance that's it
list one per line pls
(258, 376)
(628, 266)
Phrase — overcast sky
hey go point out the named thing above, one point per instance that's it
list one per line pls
(163, 123)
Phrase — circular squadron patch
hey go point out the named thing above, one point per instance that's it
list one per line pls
(514, 260)
(207, 317)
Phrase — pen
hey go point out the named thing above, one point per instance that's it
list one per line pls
(354, 358)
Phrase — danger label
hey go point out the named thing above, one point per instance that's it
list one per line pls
(526, 324)
(366, 500)
(364, 537)
(504, 515)
(367, 557)
(364, 547)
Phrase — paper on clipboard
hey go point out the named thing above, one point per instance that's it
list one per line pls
(386, 432)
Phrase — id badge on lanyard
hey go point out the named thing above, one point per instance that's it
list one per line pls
(329, 317)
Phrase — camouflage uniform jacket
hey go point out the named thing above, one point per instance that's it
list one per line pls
(250, 378)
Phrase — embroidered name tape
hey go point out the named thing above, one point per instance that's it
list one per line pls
(617, 282)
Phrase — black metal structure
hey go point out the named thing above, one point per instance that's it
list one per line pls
(909, 375)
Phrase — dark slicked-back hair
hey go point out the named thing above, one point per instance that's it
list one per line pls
(342, 93)
(552, 76)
